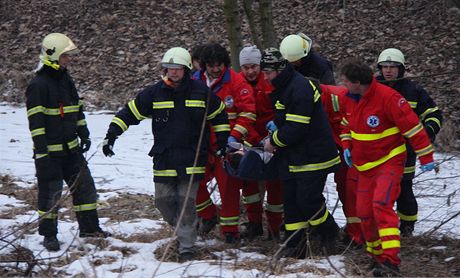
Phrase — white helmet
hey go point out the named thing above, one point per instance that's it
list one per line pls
(54, 45)
(177, 56)
(391, 56)
(295, 47)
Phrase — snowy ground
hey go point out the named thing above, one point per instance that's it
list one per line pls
(130, 171)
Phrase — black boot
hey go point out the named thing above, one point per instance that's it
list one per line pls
(253, 230)
(206, 225)
(231, 238)
(386, 270)
(51, 243)
(88, 222)
(406, 228)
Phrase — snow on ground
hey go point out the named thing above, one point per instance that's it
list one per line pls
(130, 171)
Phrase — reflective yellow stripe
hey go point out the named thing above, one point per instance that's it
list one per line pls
(220, 128)
(279, 105)
(428, 149)
(232, 115)
(57, 111)
(321, 220)
(38, 131)
(241, 129)
(251, 199)
(352, 220)
(165, 173)
(433, 120)
(410, 169)
(35, 110)
(391, 244)
(407, 217)
(416, 129)
(373, 244)
(85, 207)
(132, 106)
(247, 144)
(40, 155)
(202, 206)
(215, 113)
(373, 251)
(119, 122)
(389, 232)
(81, 122)
(376, 136)
(335, 103)
(344, 122)
(72, 144)
(44, 214)
(277, 140)
(298, 118)
(274, 208)
(345, 136)
(248, 115)
(428, 111)
(413, 104)
(195, 103)
(316, 94)
(162, 104)
(229, 221)
(55, 148)
(314, 166)
(194, 170)
(296, 226)
(394, 152)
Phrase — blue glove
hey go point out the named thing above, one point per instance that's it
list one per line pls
(271, 127)
(427, 167)
(231, 139)
(347, 157)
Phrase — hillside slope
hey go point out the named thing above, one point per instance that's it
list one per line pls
(121, 42)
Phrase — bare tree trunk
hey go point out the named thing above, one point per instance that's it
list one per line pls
(266, 22)
(247, 5)
(232, 19)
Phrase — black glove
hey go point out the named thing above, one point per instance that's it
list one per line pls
(107, 145)
(85, 144)
(45, 169)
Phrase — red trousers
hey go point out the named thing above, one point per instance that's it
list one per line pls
(378, 190)
(229, 189)
(274, 208)
(346, 180)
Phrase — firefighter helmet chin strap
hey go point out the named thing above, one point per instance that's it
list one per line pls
(52, 64)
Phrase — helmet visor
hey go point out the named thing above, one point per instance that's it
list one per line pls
(172, 66)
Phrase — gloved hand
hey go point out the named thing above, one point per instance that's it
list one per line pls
(231, 139)
(221, 152)
(428, 167)
(85, 144)
(107, 144)
(271, 127)
(45, 169)
(347, 157)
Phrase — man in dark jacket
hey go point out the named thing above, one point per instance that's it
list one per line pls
(302, 141)
(391, 63)
(297, 49)
(180, 108)
(57, 122)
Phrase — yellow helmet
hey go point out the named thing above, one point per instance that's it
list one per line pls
(391, 56)
(295, 47)
(177, 56)
(54, 45)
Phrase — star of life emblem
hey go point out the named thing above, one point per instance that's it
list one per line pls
(228, 101)
(373, 121)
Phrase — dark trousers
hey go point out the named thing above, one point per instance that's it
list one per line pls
(304, 203)
(73, 169)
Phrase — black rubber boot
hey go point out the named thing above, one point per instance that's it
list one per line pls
(206, 225)
(406, 228)
(51, 243)
(88, 222)
(386, 270)
(253, 230)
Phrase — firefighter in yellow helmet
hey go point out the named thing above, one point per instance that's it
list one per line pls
(177, 105)
(297, 49)
(392, 65)
(60, 137)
